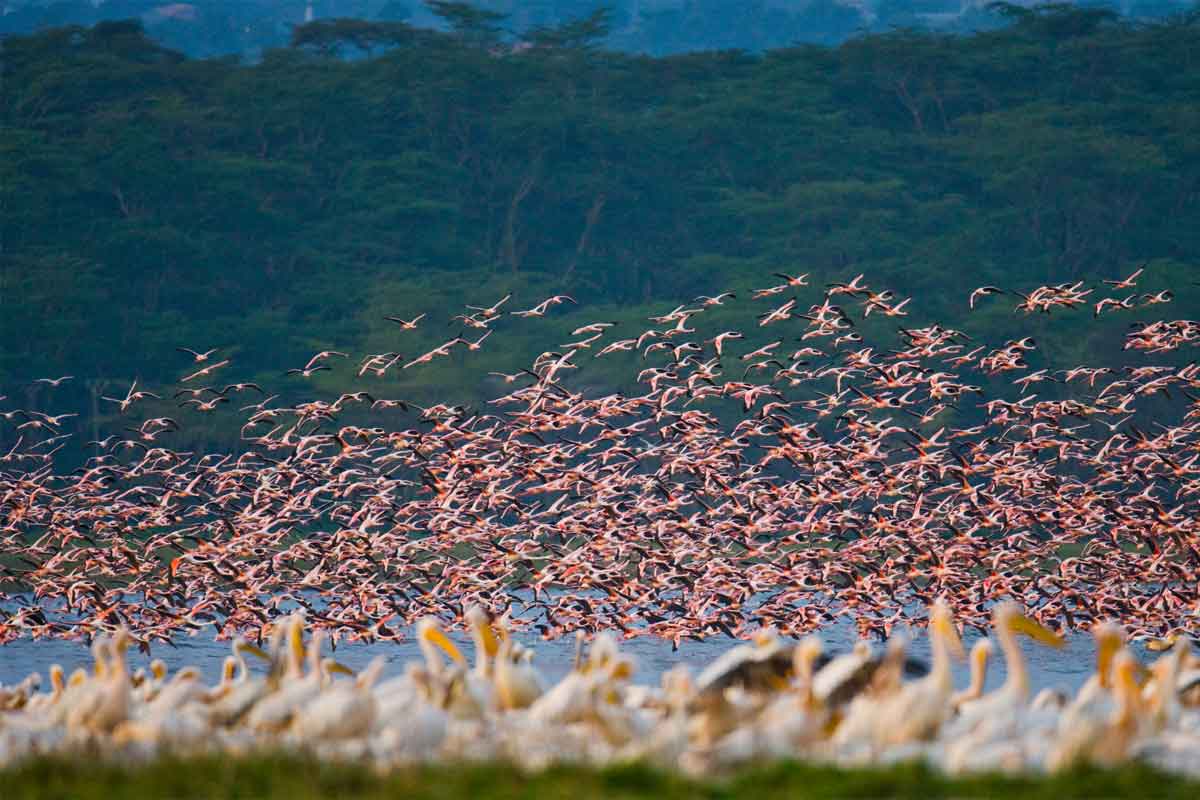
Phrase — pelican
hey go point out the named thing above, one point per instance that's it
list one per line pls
(14, 698)
(1104, 740)
(518, 683)
(589, 689)
(168, 722)
(424, 684)
(486, 644)
(344, 711)
(1013, 696)
(274, 712)
(918, 709)
(795, 719)
(40, 703)
(981, 652)
(874, 685)
(764, 665)
(451, 687)
(1095, 697)
(107, 702)
(231, 700)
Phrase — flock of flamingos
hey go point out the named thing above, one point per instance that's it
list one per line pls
(759, 483)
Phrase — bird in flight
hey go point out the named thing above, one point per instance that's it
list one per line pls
(983, 291)
(196, 355)
(55, 382)
(211, 368)
(406, 324)
(131, 397)
(1127, 283)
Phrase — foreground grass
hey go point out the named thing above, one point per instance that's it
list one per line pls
(296, 779)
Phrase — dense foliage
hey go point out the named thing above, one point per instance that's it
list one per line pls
(148, 200)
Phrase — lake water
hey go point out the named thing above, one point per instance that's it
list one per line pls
(1064, 669)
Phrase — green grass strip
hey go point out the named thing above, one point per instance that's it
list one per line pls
(301, 779)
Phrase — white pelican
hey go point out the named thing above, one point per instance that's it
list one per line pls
(274, 712)
(41, 703)
(991, 733)
(981, 652)
(763, 665)
(1095, 698)
(918, 709)
(875, 681)
(1013, 696)
(518, 683)
(229, 701)
(107, 702)
(168, 721)
(795, 719)
(344, 711)
(1105, 739)
(486, 644)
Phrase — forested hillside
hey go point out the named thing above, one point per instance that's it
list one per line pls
(149, 201)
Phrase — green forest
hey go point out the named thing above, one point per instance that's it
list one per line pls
(150, 201)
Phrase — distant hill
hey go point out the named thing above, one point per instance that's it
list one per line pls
(658, 27)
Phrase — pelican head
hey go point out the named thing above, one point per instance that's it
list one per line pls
(486, 643)
(804, 657)
(431, 638)
(941, 626)
(100, 654)
(228, 668)
(981, 653)
(240, 645)
(295, 645)
(1008, 617)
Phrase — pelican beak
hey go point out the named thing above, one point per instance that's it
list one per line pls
(434, 635)
(1125, 669)
(1161, 645)
(340, 668)
(296, 638)
(255, 651)
(491, 645)
(943, 625)
(1036, 631)
(1107, 648)
(765, 637)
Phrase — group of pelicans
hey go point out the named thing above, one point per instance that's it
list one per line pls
(771, 698)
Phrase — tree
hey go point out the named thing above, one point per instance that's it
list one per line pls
(475, 26)
(329, 36)
(578, 34)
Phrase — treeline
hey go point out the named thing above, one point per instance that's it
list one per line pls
(203, 28)
(148, 200)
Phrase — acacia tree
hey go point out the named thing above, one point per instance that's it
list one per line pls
(476, 27)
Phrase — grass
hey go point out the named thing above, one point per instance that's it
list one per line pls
(297, 779)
